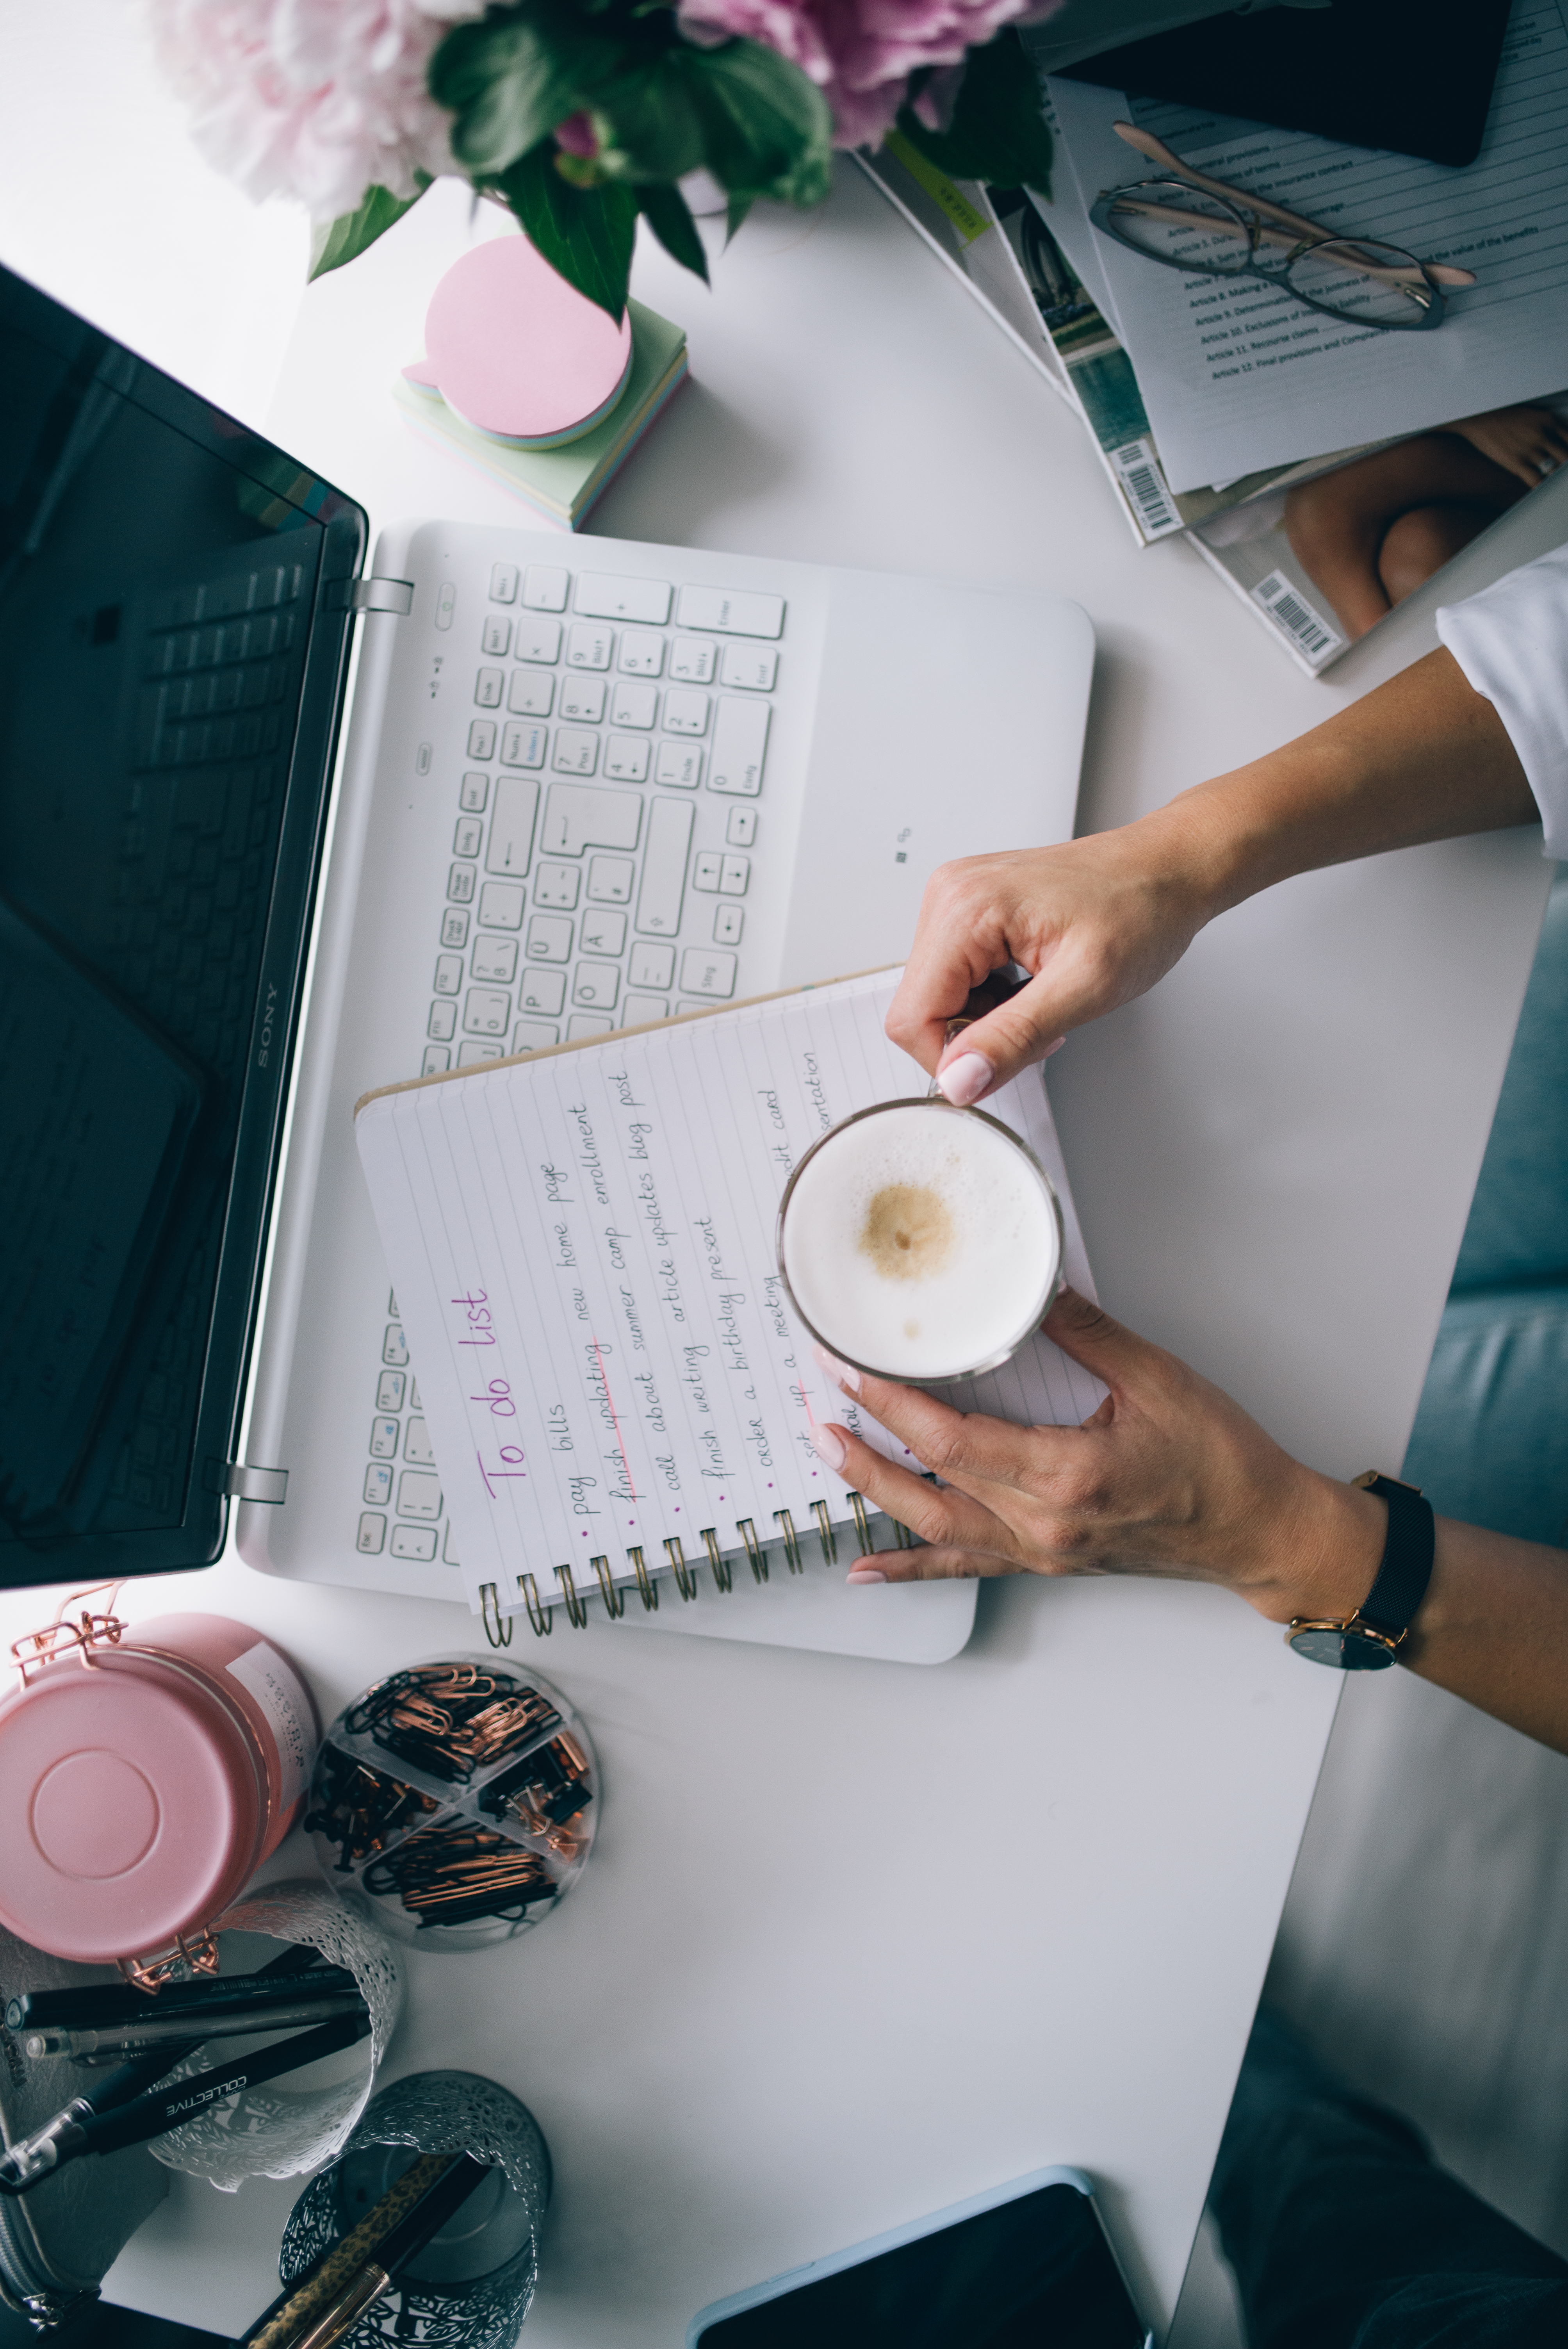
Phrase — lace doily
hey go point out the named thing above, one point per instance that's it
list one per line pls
(436, 2111)
(272, 2131)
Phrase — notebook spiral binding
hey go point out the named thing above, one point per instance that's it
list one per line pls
(541, 1611)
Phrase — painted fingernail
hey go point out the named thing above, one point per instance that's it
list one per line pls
(1053, 1047)
(964, 1080)
(865, 1574)
(829, 1445)
(840, 1372)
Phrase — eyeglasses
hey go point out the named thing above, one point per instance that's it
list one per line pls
(1190, 221)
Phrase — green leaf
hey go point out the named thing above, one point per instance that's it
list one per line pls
(587, 234)
(510, 76)
(333, 243)
(668, 214)
(767, 130)
(998, 132)
(648, 120)
(734, 217)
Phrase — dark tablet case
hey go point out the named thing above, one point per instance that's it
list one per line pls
(1403, 75)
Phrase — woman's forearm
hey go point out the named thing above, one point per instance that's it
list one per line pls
(1423, 758)
(1493, 1628)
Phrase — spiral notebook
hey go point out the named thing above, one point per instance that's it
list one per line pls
(620, 1401)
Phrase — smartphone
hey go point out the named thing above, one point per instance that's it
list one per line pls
(1028, 2266)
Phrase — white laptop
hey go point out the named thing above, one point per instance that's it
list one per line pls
(583, 783)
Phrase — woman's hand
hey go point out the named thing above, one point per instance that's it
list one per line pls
(1096, 920)
(1529, 443)
(1169, 1476)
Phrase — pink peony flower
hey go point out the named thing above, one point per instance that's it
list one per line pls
(861, 53)
(318, 100)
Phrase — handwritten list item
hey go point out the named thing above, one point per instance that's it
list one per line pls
(582, 1248)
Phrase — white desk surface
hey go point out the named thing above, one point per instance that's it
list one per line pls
(858, 1939)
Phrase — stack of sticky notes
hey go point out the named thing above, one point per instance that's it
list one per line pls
(556, 461)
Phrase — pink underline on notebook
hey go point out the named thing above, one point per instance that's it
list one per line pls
(614, 1420)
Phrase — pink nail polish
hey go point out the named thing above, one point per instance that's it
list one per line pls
(840, 1372)
(829, 1446)
(964, 1080)
(865, 1574)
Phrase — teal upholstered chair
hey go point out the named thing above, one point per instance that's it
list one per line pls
(1490, 1439)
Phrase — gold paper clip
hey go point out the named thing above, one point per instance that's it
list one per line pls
(716, 1558)
(686, 1580)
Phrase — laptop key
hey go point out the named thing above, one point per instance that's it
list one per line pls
(471, 1055)
(460, 884)
(473, 793)
(635, 705)
(727, 924)
(486, 1012)
(495, 959)
(583, 697)
(441, 1025)
(734, 875)
(740, 827)
(753, 667)
(679, 763)
(626, 758)
(705, 871)
(501, 905)
(468, 836)
(642, 653)
(496, 634)
(548, 939)
(731, 612)
(686, 712)
(511, 826)
(395, 1347)
(556, 886)
(649, 967)
(602, 596)
(603, 933)
(436, 1061)
(664, 876)
(378, 1485)
(693, 660)
(576, 750)
(503, 582)
(544, 587)
(533, 1035)
(610, 880)
(417, 1448)
(539, 640)
(455, 926)
(372, 1533)
(391, 1388)
(545, 990)
(530, 695)
(740, 747)
(578, 816)
(523, 746)
(584, 1024)
(706, 971)
(418, 1495)
(642, 1008)
(448, 974)
(482, 739)
(488, 687)
(417, 1542)
(589, 646)
(384, 1435)
(596, 986)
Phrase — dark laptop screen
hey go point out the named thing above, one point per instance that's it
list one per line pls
(169, 676)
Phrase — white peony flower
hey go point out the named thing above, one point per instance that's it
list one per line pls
(319, 100)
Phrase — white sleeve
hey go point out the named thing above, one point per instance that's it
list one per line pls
(1512, 642)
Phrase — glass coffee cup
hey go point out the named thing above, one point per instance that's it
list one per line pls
(921, 1242)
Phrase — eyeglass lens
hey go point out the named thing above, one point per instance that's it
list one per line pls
(1181, 226)
(1372, 285)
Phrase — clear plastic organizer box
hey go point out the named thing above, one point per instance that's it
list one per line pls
(457, 1798)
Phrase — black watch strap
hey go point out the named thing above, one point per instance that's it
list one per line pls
(1406, 1568)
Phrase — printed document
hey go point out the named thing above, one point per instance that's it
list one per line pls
(1236, 377)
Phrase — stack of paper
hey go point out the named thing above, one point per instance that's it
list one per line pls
(563, 484)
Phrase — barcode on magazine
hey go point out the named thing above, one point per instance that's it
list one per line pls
(1302, 622)
(1143, 486)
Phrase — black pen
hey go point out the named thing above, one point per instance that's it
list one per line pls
(103, 2006)
(154, 2031)
(81, 2128)
(356, 2272)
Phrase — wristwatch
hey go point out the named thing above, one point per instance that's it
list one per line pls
(1371, 1640)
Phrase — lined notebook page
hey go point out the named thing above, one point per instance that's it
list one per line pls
(582, 1250)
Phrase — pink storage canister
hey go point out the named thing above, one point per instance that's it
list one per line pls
(145, 1774)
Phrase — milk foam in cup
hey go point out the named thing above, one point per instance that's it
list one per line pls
(921, 1242)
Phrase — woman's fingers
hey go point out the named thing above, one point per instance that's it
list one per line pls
(943, 1517)
(965, 1448)
(930, 1564)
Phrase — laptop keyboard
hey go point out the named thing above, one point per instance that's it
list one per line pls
(604, 712)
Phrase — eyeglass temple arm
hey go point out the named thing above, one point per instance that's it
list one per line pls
(1146, 143)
